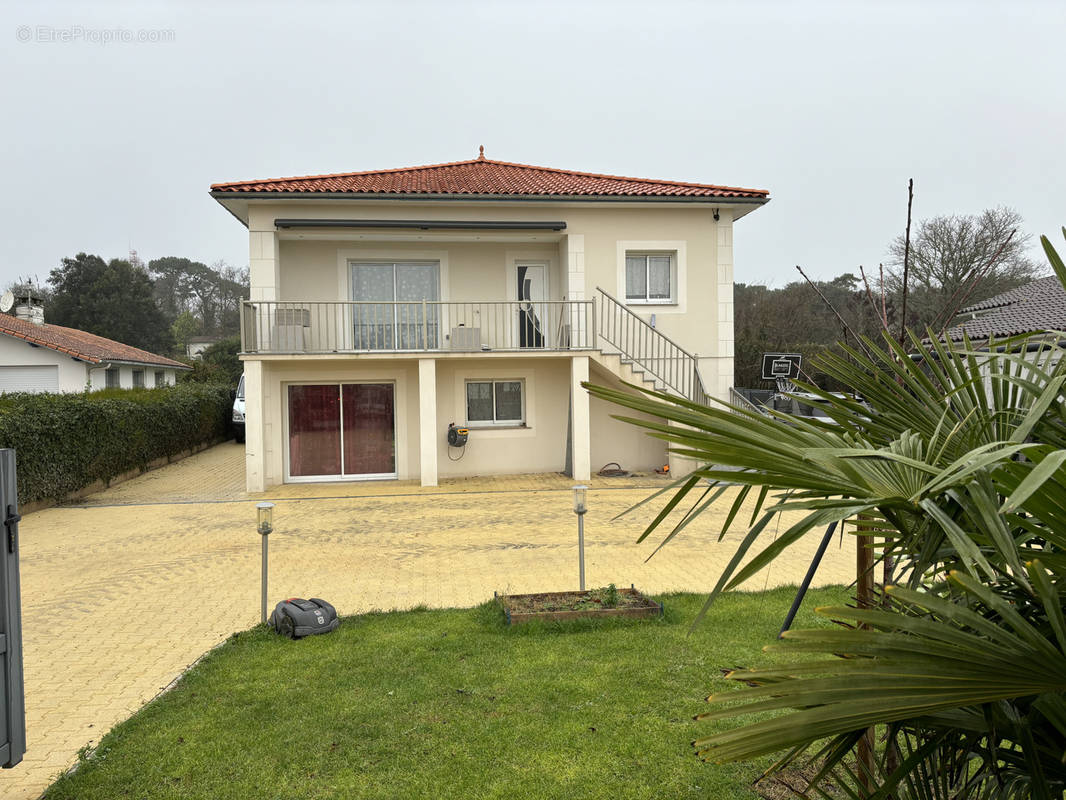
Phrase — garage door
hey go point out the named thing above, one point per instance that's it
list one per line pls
(29, 379)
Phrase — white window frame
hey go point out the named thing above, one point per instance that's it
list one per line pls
(677, 250)
(344, 476)
(438, 326)
(494, 422)
(647, 299)
(391, 262)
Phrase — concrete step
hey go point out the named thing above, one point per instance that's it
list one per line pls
(628, 369)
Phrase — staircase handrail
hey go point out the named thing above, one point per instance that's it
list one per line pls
(690, 385)
(737, 399)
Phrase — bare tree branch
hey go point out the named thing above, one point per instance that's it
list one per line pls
(906, 262)
(951, 309)
(881, 317)
(843, 322)
(884, 310)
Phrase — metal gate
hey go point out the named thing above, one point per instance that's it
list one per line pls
(12, 699)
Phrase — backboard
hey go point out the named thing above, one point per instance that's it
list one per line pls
(780, 366)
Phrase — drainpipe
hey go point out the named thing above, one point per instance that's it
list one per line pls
(90, 368)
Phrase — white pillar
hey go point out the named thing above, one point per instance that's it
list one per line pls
(254, 438)
(427, 420)
(581, 439)
(574, 271)
(679, 467)
(719, 377)
(263, 263)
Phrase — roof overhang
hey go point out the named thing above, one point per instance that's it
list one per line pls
(237, 202)
(423, 225)
(156, 364)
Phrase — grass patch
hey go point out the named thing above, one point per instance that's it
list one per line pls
(447, 704)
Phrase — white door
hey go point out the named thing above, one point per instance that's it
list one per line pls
(533, 311)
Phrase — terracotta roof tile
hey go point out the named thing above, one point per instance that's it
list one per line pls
(482, 176)
(1036, 307)
(86, 346)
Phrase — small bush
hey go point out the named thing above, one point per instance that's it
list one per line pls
(219, 363)
(65, 442)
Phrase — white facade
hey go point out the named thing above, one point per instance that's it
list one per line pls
(348, 377)
(25, 367)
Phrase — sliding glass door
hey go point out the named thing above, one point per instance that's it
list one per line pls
(342, 431)
(390, 314)
(367, 429)
(314, 430)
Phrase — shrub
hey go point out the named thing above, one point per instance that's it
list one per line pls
(65, 442)
(219, 363)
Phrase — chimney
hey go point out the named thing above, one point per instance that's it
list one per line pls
(30, 308)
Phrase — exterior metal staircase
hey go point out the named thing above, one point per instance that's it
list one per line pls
(649, 355)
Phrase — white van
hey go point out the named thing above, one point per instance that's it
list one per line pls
(238, 412)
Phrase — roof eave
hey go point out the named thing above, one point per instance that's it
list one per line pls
(128, 363)
(552, 198)
(236, 203)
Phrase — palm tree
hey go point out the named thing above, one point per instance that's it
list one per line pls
(955, 455)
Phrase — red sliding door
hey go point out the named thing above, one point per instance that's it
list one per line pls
(368, 429)
(314, 430)
(341, 430)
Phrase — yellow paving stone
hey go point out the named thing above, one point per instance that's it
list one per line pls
(109, 584)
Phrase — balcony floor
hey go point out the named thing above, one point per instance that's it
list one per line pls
(392, 355)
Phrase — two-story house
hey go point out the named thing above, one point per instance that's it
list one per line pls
(387, 305)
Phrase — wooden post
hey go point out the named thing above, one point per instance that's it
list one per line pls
(864, 598)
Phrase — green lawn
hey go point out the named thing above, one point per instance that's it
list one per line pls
(446, 704)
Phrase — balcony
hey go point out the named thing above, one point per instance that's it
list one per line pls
(310, 327)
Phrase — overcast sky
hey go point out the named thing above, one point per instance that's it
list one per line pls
(830, 106)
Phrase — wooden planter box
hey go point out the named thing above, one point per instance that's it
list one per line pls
(522, 608)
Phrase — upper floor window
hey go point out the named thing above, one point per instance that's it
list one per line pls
(389, 310)
(651, 277)
(111, 378)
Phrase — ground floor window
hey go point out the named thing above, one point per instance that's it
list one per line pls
(342, 430)
(138, 378)
(160, 378)
(494, 403)
(111, 378)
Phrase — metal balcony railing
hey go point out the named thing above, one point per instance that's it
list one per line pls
(283, 327)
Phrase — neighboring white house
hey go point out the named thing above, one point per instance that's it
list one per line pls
(195, 347)
(387, 305)
(37, 357)
(1032, 315)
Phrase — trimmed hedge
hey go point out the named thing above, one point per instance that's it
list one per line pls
(65, 442)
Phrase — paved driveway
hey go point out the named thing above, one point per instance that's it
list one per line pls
(124, 590)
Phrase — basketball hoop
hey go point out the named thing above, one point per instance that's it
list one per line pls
(781, 368)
